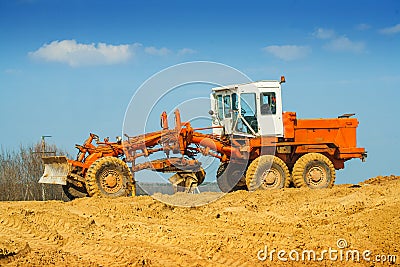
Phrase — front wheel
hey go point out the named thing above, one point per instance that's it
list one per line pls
(230, 177)
(109, 177)
(314, 170)
(267, 172)
(73, 191)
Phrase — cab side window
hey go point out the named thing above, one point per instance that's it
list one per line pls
(268, 103)
(227, 106)
(220, 107)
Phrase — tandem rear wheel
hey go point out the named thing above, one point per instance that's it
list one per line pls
(267, 172)
(314, 170)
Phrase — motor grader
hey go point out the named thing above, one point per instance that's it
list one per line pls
(259, 146)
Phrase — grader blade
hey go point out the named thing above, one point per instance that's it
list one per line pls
(56, 170)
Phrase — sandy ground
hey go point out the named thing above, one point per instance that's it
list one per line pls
(239, 229)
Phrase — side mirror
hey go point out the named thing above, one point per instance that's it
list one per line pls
(211, 112)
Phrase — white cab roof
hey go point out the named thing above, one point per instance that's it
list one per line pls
(264, 83)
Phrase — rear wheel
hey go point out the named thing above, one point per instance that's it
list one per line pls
(230, 177)
(109, 177)
(267, 172)
(314, 170)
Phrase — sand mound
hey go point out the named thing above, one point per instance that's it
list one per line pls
(239, 229)
(381, 179)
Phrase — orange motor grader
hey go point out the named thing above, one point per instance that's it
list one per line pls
(258, 144)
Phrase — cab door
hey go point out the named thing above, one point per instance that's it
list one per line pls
(228, 112)
(247, 121)
(224, 112)
(271, 123)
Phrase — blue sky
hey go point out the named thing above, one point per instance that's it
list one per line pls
(338, 57)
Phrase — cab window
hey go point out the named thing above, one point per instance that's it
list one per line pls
(220, 107)
(227, 106)
(235, 102)
(248, 111)
(268, 103)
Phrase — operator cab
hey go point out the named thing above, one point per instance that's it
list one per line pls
(251, 109)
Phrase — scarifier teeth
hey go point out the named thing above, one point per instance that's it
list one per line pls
(185, 180)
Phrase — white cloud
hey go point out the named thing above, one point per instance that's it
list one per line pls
(78, 54)
(391, 30)
(322, 33)
(362, 27)
(288, 52)
(344, 44)
(390, 78)
(151, 50)
(186, 51)
(12, 71)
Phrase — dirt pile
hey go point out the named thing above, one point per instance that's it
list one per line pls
(239, 229)
(381, 179)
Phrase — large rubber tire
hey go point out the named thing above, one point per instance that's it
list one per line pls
(267, 172)
(230, 177)
(73, 192)
(314, 170)
(109, 177)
